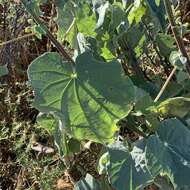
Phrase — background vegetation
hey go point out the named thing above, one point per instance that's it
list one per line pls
(29, 158)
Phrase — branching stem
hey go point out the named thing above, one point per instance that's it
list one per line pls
(59, 47)
(180, 45)
(17, 39)
(176, 34)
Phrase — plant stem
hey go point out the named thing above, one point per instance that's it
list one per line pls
(180, 45)
(155, 46)
(69, 29)
(17, 39)
(130, 56)
(163, 183)
(175, 32)
(49, 34)
(165, 84)
(152, 40)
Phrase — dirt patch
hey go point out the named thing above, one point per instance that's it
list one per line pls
(185, 10)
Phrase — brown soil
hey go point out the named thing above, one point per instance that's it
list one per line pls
(185, 10)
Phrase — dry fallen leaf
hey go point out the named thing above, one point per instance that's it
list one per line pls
(42, 149)
(17, 1)
(63, 185)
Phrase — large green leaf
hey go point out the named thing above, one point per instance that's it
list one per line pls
(87, 183)
(137, 11)
(56, 128)
(117, 16)
(85, 21)
(156, 12)
(64, 20)
(90, 183)
(127, 171)
(34, 5)
(172, 107)
(168, 152)
(89, 98)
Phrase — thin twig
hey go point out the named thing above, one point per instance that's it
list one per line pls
(50, 25)
(152, 40)
(5, 7)
(17, 39)
(180, 45)
(59, 47)
(165, 84)
(69, 29)
(155, 46)
(175, 32)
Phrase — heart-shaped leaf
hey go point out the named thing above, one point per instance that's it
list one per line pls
(127, 170)
(168, 153)
(89, 98)
(73, 18)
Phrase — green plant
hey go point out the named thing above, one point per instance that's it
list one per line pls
(103, 87)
